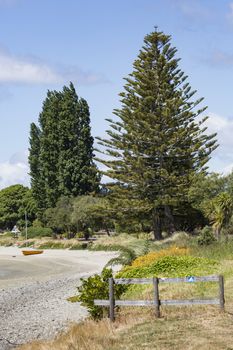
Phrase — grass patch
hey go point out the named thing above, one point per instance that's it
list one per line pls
(217, 250)
(27, 244)
(191, 328)
(80, 246)
(54, 245)
(172, 266)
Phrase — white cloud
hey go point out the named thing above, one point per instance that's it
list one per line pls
(222, 159)
(11, 174)
(17, 69)
(15, 171)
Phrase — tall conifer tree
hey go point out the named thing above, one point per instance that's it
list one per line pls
(157, 144)
(49, 148)
(37, 182)
(77, 171)
(61, 149)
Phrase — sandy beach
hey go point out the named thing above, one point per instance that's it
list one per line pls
(33, 292)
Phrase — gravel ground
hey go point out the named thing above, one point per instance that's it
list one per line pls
(33, 305)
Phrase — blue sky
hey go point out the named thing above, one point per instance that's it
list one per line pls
(44, 44)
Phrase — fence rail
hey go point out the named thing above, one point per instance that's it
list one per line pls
(156, 302)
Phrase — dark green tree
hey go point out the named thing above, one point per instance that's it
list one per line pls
(14, 201)
(77, 171)
(61, 150)
(48, 164)
(37, 183)
(91, 212)
(157, 143)
(59, 218)
(205, 188)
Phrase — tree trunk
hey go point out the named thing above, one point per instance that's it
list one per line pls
(156, 224)
(106, 229)
(170, 219)
(217, 233)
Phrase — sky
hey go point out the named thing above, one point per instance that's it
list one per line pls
(45, 44)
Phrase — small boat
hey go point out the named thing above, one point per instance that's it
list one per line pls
(32, 252)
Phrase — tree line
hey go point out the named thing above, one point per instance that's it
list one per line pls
(155, 154)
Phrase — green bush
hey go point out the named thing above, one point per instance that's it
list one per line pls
(206, 236)
(96, 287)
(171, 266)
(38, 232)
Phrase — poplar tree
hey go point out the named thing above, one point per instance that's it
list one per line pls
(157, 143)
(49, 150)
(77, 171)
(61, 149)
(35, 171)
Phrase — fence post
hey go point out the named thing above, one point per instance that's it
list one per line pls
(221, 292)
(156, 296)
(111, 299)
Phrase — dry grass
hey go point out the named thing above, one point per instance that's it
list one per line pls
(190, 328)
(92, 335)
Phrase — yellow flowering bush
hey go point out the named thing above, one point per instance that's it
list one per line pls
(151, 257)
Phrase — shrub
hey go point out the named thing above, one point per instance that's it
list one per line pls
(170, 266)
(206, 236)
(38, 232)
(151, 257)
(126, 257)
(96, 287)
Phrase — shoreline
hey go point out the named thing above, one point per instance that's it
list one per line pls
(34, 306)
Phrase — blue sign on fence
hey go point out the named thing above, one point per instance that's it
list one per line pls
(191, 279)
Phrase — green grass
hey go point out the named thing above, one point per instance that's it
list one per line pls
(217, 250)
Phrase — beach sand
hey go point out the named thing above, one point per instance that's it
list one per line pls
(33, 292)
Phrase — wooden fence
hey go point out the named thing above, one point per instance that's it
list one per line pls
(156, 302)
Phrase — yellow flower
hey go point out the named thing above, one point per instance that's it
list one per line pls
(151, 257)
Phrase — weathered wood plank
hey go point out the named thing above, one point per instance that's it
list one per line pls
(221, 292)
(156, 297)
(190, 279)
(133, 280)
(99, 302)
(162, 302)
(125, 302)
(134, 302)
(111, 299)
(190, 302)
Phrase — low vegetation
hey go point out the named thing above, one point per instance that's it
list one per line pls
(190, 327)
